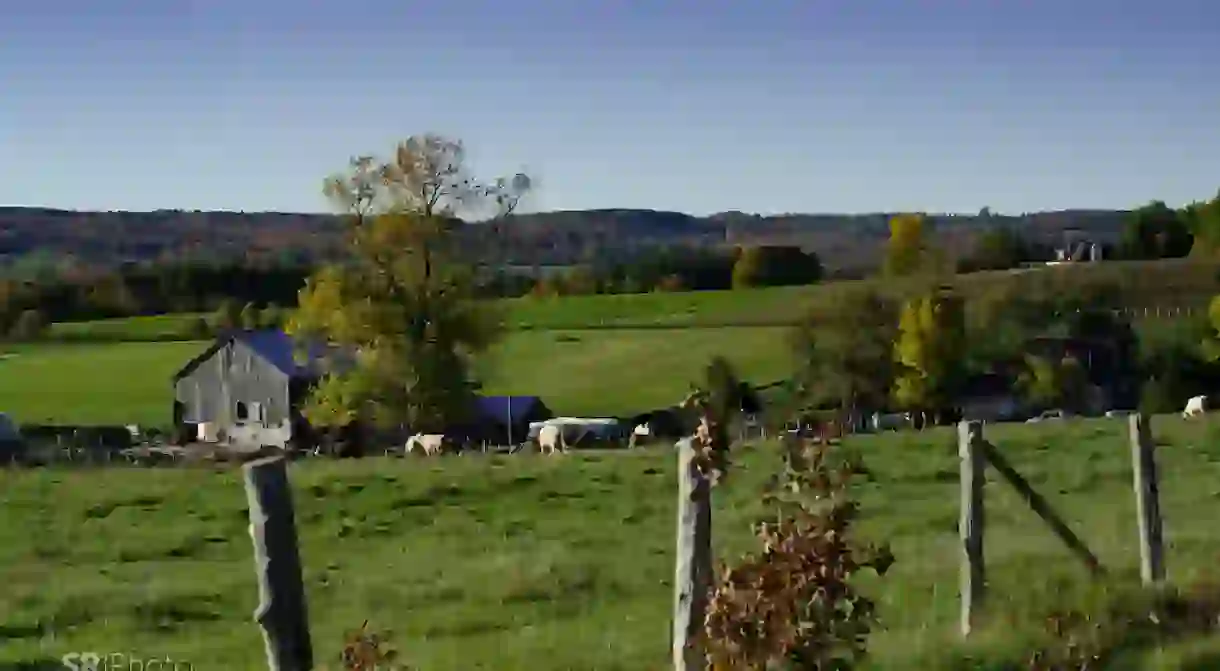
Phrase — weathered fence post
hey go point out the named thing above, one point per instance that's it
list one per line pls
(1147, 499)
(693, 567)
(973, 477)
(281, 609)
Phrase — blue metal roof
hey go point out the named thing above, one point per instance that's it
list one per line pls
(500, 408)
(280, 350)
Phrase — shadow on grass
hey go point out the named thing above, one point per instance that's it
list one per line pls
(1123, 632)
(1207, 662)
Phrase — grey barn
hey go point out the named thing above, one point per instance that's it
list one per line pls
(248, 386)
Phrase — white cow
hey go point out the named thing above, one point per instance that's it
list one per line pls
(640, 433)
(550, 439)
(427, 443)
(1195, 407)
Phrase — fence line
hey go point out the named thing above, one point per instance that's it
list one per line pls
(1157, 312)
(976, 453)
(281, 613)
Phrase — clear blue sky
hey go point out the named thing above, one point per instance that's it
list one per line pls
(700, 106)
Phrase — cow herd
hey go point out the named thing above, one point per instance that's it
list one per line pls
(558, 435)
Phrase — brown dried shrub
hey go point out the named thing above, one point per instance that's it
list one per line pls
(793, 605)
(365, 650)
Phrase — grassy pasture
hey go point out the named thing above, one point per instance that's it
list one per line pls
(600, 372)
(1167, 283)
(596, 372)
(565, 563)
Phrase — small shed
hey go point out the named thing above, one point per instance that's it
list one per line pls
(505, 420)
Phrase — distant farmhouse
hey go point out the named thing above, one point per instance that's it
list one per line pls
(1076, 249)
(248, 387)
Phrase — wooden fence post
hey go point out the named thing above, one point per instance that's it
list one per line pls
(1147, 500)
(281, 610)
(693, 567)
(973, 477)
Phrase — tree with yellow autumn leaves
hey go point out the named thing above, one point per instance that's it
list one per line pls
(401, 300)
(928, 352)
(906, 248)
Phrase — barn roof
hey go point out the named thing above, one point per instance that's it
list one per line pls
(273, 346)
(499, 407)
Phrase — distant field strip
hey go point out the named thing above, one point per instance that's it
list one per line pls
(597, 373)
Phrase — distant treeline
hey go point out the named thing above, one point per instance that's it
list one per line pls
(27, 306)
(177, 286)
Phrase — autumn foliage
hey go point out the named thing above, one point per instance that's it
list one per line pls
(366, 650)
(793, 603)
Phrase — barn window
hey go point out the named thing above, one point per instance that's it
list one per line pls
(258, 412)
(242, 412)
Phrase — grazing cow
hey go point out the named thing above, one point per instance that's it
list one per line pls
(1195, 407)
(640, 433)
(550, 439)
(427, 443)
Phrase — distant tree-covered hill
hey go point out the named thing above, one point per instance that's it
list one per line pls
(35, 238)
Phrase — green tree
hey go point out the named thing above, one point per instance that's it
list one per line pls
(402, 300)
(1155, 231)
(1002, 319)
(1039, 382)
(844, 353)
(1203, 220)
(227, 315)
(1047, 383)
(775, 265)
(928, 352)
(747, 269)
(1211, 343)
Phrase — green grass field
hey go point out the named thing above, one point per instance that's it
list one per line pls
(598, 372)
(1176, 282)
(588, 371)
(565, 563)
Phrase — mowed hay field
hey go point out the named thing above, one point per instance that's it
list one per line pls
(592, 372)
(560, 563)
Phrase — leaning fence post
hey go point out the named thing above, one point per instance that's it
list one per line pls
(1147, 500)
(693, 568)
(973, 477)
(281, 609)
